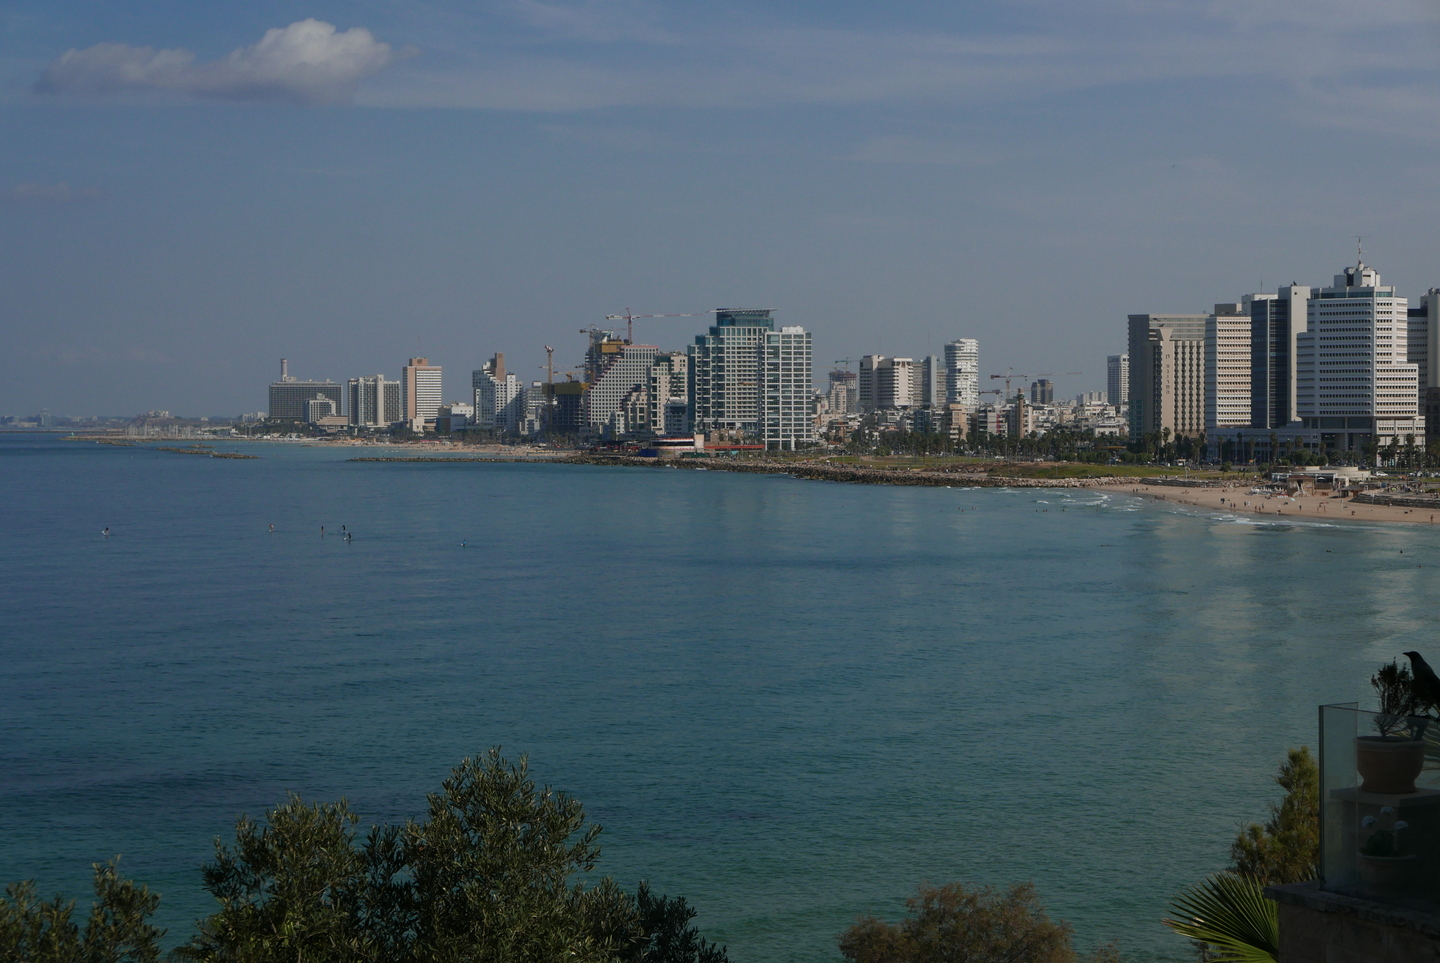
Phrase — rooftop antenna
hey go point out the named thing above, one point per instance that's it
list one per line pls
(1359, 250)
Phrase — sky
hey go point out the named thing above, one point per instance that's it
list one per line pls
(189, 192)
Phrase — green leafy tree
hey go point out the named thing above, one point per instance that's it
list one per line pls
(35, 931)
(959, 924)
(1286, 849)
(496, 873)
(295, 889)
(668, 936)
(492, 869)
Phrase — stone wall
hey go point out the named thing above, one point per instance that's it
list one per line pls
(1404, 501)
(1321, 927)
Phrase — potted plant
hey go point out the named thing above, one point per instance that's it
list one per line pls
(1389, 762)
(1384, 867)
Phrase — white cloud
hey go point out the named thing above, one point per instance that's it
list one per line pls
(54, 194)
(308, 62)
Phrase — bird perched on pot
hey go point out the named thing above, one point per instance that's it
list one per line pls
(1427, 684)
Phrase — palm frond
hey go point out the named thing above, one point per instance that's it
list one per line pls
(1231, 913)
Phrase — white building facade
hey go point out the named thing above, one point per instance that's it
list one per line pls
(1227, 368)
(787, 422)
(962, 372)
(1354, 383)
(499, 402)
(725, 372)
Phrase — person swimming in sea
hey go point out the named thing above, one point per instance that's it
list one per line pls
(106, 532)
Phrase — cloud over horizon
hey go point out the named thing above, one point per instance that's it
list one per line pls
(309, 63)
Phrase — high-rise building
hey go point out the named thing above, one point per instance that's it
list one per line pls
(1042, 392)
(1354, 384)
(1117, 369)
(1167, 373)
(669, 394)
(420, 385)
(1227, 367)
(499, 406)
(725, 372)
(1424, 354)
(929, 388)
(785, 416)
(1118, 380)
(288, 395)
(866, 383)
(614, 369)
(319, 407)
(375, 402)
(1275, 322)
(894, 383)
(843, 395)
(962, 372)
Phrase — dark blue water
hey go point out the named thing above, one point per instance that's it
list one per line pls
(788, 701)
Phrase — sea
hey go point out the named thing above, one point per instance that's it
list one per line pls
(790, 702)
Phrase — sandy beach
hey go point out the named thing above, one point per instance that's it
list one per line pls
(1322, 507)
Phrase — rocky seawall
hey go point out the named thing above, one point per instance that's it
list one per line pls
(851, 474)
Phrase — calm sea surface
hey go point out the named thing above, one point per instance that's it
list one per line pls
(787, 701)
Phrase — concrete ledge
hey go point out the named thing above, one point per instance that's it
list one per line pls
(1310, 896)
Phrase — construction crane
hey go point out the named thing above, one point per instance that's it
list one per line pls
(629, 319)
(1011, 373)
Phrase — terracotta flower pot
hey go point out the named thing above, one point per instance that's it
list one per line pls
(1388, 764)
(1386, 875)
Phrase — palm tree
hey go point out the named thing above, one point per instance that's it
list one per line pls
(1231, 913)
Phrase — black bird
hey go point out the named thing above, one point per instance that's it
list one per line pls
(1427, 684)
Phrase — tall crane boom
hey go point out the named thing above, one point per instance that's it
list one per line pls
(629, 319)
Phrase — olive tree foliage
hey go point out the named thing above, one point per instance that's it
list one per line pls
(959, 924)
(1286, 849)
(35, 931)
(497, 872)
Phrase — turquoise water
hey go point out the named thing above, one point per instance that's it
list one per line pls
(788, 701)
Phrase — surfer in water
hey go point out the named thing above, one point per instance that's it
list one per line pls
(106, 532)
(272, 528)
(322, 531)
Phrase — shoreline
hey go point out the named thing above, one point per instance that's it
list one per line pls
(1237, 500)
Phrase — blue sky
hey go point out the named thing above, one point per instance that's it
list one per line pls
(190, 191)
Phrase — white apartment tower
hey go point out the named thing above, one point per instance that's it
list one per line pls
(1353, 375)
(895, 383)
(785, 417)
(499, 402)
(375, 402)
(1227, 367)
(962, 372)
(668, 396)
(725, 372)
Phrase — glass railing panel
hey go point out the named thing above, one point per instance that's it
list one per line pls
(1380, 806)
